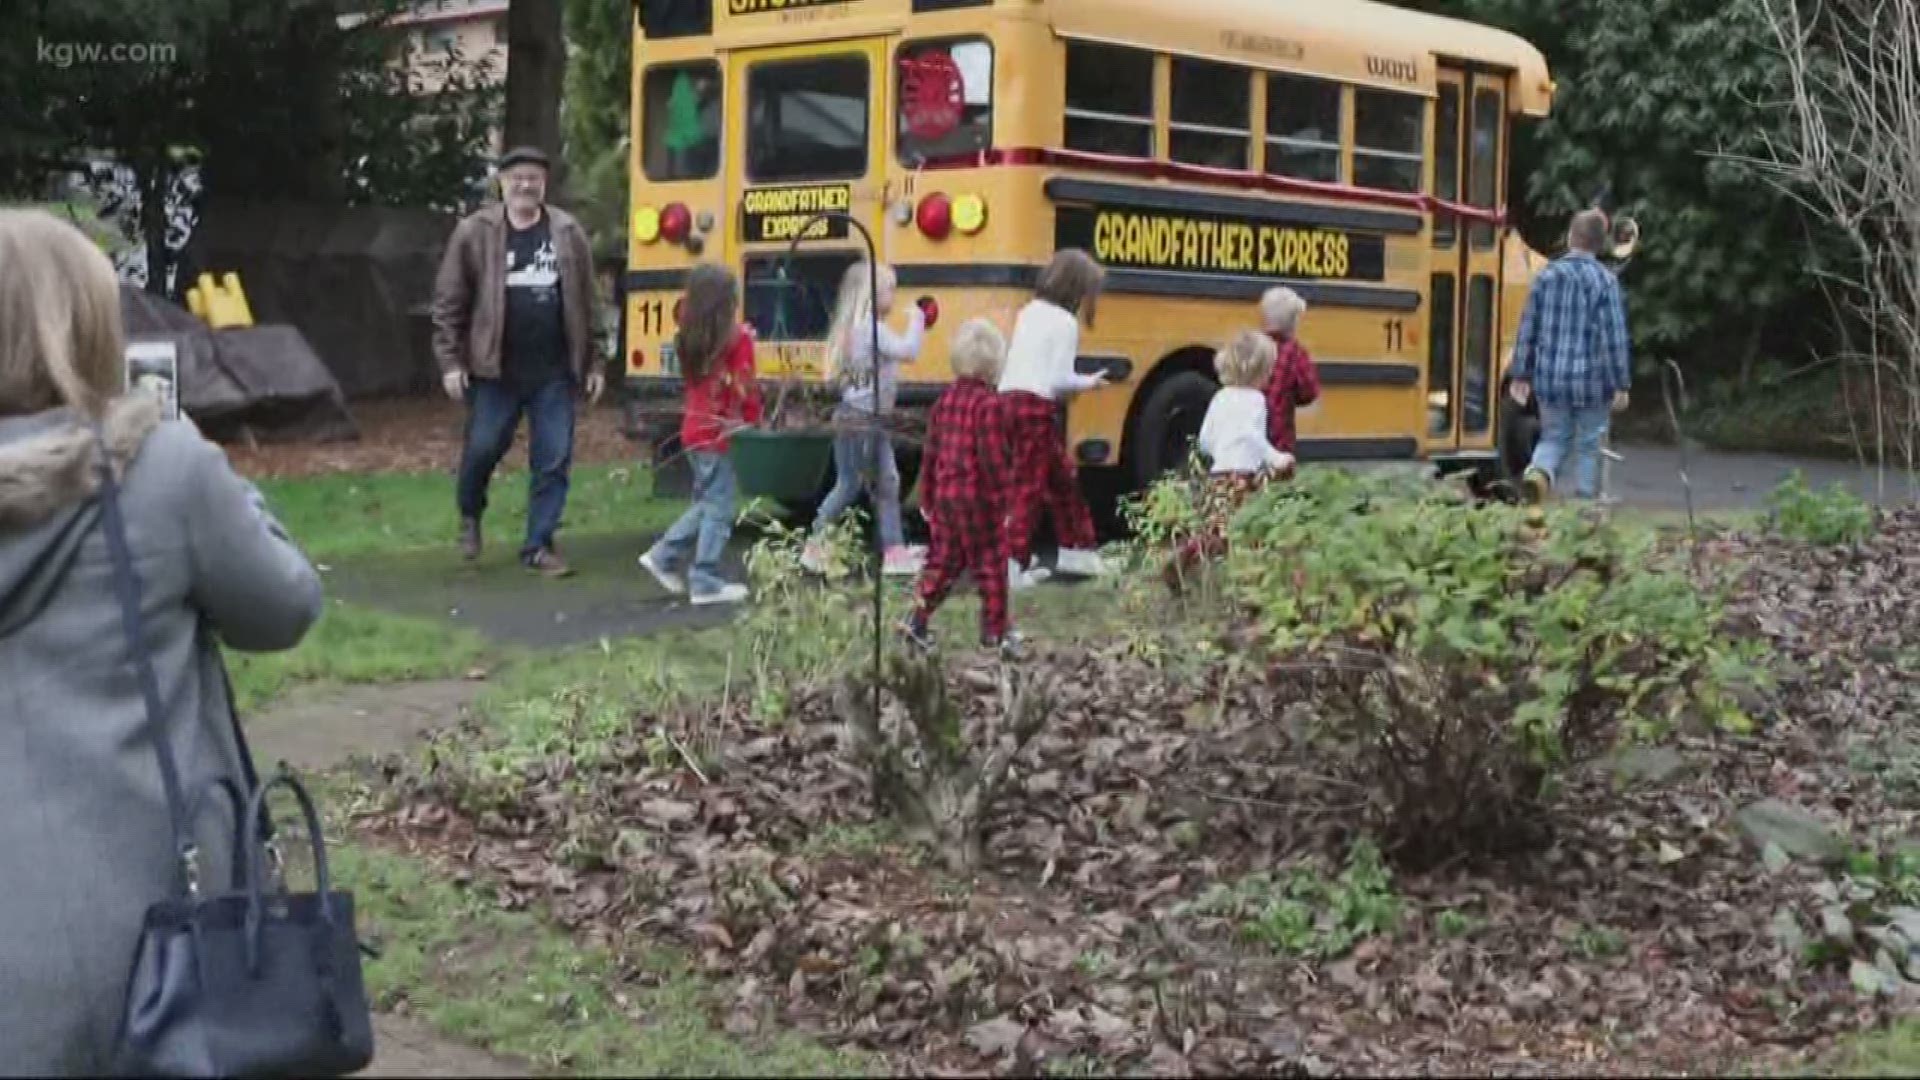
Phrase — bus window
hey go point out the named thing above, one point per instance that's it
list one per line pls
(1387, 140)
(1209, 119)
(681, 122)
(1483, 183)
(1303, 128)
(1109, 100)
(946, 99)
(791, 299)
(807, 119)
(1446, 159)
(1479, 355)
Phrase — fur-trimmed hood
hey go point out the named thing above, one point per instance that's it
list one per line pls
(48, 477)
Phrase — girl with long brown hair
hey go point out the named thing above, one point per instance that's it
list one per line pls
(715, 352)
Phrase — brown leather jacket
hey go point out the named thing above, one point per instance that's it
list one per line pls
(470, 293)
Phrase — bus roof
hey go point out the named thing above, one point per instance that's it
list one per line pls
(1357, 41)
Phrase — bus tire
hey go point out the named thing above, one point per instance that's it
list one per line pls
(1168, 423)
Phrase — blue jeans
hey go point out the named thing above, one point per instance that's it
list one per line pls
(703, 531)
(862, 459)
(494, 408)
(1579, 432)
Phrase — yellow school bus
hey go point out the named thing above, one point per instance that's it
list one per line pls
(1202, 150)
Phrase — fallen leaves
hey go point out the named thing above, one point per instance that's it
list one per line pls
(1650, 936)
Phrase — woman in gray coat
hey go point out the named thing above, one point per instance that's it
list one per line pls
(84, 842)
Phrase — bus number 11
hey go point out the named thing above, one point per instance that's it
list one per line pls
(653, 317)
(1396, 335)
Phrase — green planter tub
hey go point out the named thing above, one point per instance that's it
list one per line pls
(785, 466)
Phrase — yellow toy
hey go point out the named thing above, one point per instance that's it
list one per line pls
(221, 305)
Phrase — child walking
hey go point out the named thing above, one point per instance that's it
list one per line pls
(1234, 436)
(716, 365)
(964, 488)
(1039, 371)
(863, 455)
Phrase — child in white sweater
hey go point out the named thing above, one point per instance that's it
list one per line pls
(1040, 372)
(1234, 437)
(1234, 433)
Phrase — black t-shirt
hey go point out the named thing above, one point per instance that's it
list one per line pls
(536, 336)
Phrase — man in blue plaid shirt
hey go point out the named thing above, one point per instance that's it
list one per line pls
(1573, 354)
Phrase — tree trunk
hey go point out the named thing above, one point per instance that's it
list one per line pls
(536, 74)
(155, 178)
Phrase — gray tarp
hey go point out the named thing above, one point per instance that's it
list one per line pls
(355, 280)
(261, 382)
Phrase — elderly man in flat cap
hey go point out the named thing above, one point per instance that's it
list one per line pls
(513, 334)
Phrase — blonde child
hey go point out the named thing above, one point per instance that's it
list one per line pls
(1234, 437)
(965, 481)
(863, 457)
(716, 365)
(1039, 372)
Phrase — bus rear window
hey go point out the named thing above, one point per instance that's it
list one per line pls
(946, 99)
(807, 119)
(681, 124)
(791, 299)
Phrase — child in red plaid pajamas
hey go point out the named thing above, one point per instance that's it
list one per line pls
(965, 478)
(1039, 372)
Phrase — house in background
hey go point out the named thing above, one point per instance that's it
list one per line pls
(431, 34)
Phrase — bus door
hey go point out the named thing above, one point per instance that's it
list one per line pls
(1463, 311)
(808, 133)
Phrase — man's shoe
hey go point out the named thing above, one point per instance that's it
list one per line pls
(1537, 486)
(548, 564)
(470, 539)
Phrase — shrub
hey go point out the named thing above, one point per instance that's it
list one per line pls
(1830, 516)
(797, 632)
(1463, 658)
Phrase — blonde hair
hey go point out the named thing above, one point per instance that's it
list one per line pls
(978, 351)
(1072, 282)
(1247, 361)
(853, 313)
(61, 342)
(1280, 311)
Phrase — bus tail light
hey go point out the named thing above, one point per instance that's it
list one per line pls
(636, 360)
(935, 216)
(646, 224)
(969, 214)
(675, 221)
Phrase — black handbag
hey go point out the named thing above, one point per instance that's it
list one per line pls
(252, 981)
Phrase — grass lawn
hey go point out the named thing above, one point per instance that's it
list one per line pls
(351, 516)
(353, 644)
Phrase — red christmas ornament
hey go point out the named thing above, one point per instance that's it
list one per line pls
(933, 95)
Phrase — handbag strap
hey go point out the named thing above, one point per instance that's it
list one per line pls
(126, 583)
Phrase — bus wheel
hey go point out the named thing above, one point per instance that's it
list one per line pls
(1168, 424)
